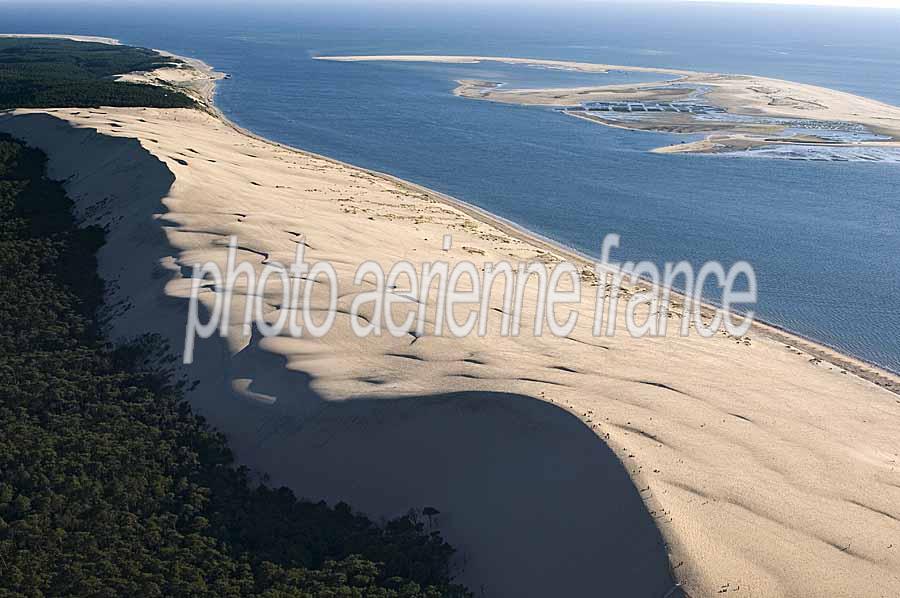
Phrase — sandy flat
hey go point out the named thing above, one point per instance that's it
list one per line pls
(742, 94)
(759, 466)
(587, 67)
(746, 95)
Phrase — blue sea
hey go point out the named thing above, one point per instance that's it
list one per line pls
(824, 237)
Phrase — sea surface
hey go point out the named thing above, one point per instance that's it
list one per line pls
(824, 237)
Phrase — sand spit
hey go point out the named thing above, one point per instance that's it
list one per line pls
(762, 98)
(587, 67)
(189, 75)
(769, 468)
(75, 38)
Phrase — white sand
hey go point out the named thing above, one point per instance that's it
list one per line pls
(768, 473)
(588, 67)
(747, 95)
(741, 94)
(195, 78)
(192, 77)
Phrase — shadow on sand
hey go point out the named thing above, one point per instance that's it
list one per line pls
(534, 501)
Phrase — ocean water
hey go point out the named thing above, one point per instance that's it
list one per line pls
(824, 237)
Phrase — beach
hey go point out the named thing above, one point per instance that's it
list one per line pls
(767, 463)
(760, 98)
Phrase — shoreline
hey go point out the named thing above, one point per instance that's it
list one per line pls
(748, 96)
(869, 371)
(741, 452)
(205, 93)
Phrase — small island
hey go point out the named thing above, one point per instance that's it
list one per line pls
(735, 112)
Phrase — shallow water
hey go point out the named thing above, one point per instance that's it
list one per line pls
(824, 236)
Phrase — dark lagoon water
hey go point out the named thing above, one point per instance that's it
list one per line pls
(824, 237)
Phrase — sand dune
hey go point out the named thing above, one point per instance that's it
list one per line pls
(745, 95)
(768, 472)
(518, 481)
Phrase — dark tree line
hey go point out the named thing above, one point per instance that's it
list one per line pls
(48, 73)
(111, 486)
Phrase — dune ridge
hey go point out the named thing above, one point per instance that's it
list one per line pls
(768, 470)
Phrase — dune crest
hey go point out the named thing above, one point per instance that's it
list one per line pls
(769, 470)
